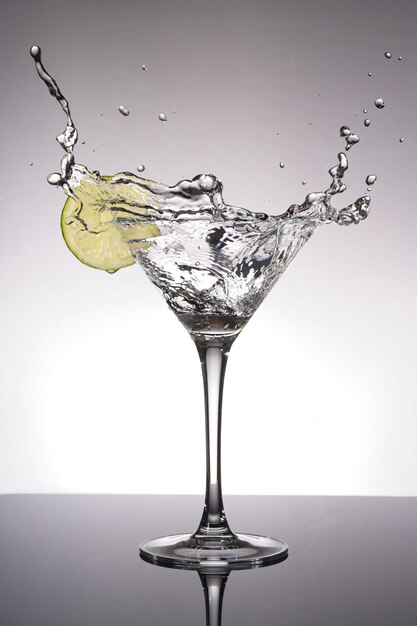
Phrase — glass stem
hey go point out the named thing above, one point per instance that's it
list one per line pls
(213, 364)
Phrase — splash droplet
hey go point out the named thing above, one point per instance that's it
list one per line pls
(282, 164)
(54, 179)
(388, 55)
(163, 117)
(304, 182)
(400, 58)
(140, 168)
(144, 67)
(351, 140)
(401, 139)
(369, 73)
(124, 111)
(370, 179)
(365, 110)
(83, 143)
(379, 103)
(367, 122)
(31, 164)
(35, 52)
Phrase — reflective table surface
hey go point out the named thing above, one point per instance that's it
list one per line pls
(73, 560)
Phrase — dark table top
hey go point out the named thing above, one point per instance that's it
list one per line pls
(72, 560)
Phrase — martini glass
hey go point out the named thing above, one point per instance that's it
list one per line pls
(214, 268)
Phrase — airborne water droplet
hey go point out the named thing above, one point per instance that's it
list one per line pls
(303, 182)
(282, 164)
(365, 110)
(370, 179)
(369, 73)
(124, 111)
(140, 168)
(345, 131)
(163, 117)
(367, 122)
(400, 58)
(351, 140)
(401, 139)
(83, 142)
(144, 67)
(388, 55)
(379, 103)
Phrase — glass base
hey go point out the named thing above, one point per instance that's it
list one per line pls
(235, 552)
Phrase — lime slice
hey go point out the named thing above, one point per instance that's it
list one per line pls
(104, 223)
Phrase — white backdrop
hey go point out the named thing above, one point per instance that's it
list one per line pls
(100, 386)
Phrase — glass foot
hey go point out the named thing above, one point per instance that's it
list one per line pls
(234, 552)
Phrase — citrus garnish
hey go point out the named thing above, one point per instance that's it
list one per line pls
(104, 222)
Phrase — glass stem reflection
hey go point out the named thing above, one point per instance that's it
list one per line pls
(213, 363)
(213, 586)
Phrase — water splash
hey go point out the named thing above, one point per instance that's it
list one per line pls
(69, 137)
(401, 140)
(367, 123)
(209, 258)
(123, 110)
(163, 117)
(282, 164)
(379, 103)
(370, 179)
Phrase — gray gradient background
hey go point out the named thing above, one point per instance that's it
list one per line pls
(99, 384)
